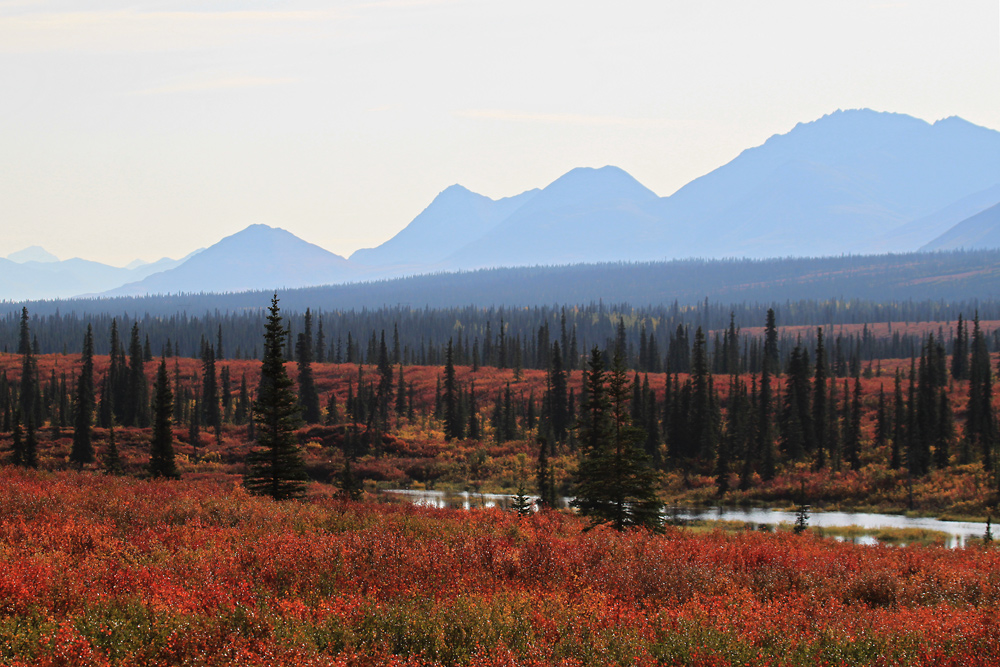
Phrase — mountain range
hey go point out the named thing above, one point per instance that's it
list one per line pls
(851, 182)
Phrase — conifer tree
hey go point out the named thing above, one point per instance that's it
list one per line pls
(453, 426)
(30, 445)
(210, 413)
(83, 450)
(853, 440)
(614, 480)
(960, 351)
(29, 371)
(308, 396)
(946, 430)
(881, 421)
(241, 414)
(771, 361)
(161, 451)
(898, 423)
(275, 467)
(980, 424)
(138, 391)
(112, 458)
(17, 440)
(820, 419)
(544, 477)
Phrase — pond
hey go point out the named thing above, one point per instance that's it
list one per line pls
(958, 532)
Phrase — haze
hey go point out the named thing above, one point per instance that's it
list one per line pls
(148, 129)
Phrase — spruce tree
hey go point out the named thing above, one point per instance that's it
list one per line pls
(453, 426)
(853, 441)
(820, 419)
(960, 351)
(210, 413)
(112, 459)
(614, 480)
(308, 396)
(275, 466)
(161, 451)
(898, 423)
(771, 361)
(83, 450)
(17, 440)
(765, 426)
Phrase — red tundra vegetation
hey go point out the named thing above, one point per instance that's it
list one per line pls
(99, 570)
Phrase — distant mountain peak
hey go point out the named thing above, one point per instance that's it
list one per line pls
(35, 253)
(600, 183)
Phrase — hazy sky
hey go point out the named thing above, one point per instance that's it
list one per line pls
(148, 129)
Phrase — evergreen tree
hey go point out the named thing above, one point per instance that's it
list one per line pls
(556, 396)
(614, 481)
(30, 445)
(453, 426)
(17, 445)
(980, 425)
(241, 414)
(275, 468)
(946, 430)
(960, 352)
(765, 427)
(771, 361)
(83, 450)
(702, 427)
(898, 423)
(210, 413)
(112, 459)
(853, 440)
(29, 371)
(820, 419)
(544, 477)
(797, 431)
(138, 391)
(308, 396)
(881, 421)
(161, 450)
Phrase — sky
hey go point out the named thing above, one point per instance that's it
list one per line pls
(133, 129)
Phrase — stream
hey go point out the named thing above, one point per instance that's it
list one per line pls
(958, 532)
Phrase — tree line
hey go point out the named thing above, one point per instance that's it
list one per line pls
(801, 407)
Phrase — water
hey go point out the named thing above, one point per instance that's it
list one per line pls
(958, 532)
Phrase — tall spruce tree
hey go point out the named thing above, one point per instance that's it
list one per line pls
(138, 390)
(853, 440)
(820, 419)
(308, 396)
(211, 415)
(980, 425)
(83, 449)
(161, 450)
(454, 427)
(615, 482)
(275, 466)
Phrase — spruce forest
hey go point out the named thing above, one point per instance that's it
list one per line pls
(884, 414)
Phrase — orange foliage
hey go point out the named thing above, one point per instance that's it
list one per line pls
(110, 571)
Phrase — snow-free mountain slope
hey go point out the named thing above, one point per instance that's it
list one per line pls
(918, 233)
(587, 215)
(843, 183)
(455, 218)
(980, 232)
(835, 184)
(35, 253)
(259, 257)
(71, 277)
